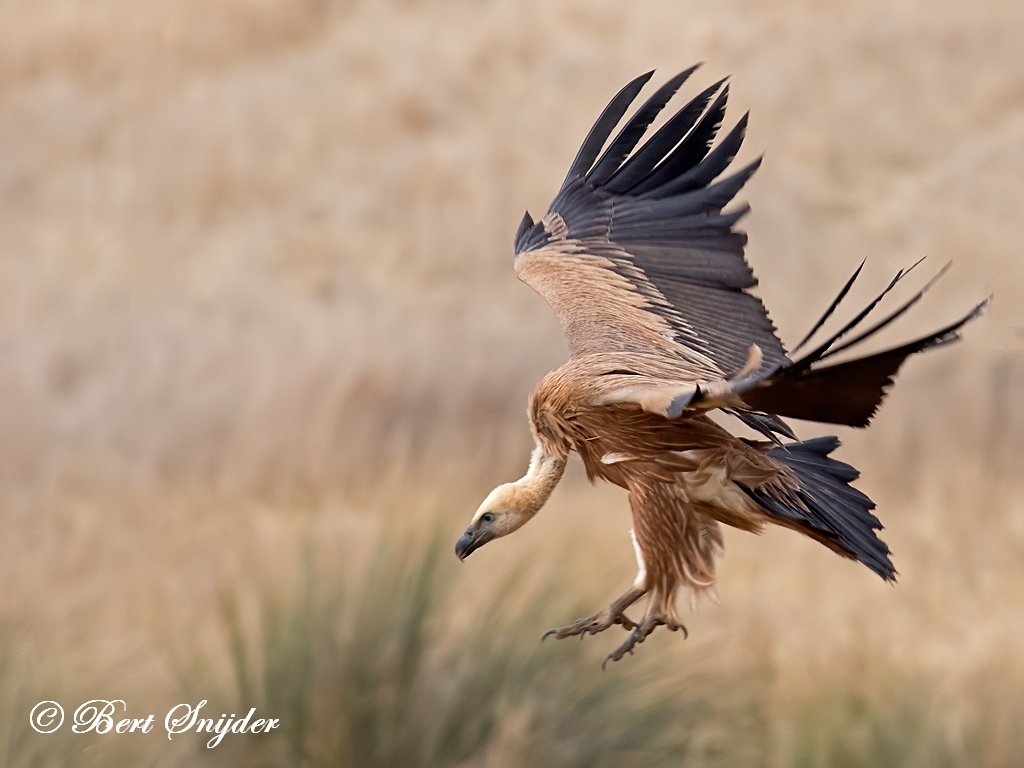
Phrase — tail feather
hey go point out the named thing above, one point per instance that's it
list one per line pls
(824, 505)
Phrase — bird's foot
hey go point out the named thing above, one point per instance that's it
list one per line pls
(602, 620)
(591, 625)
(640, 633)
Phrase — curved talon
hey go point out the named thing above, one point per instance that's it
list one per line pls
(640, 633)
(673, 626)
(602, 620)
(592, 625)
(547, 634)
(622, 650)
(626, 647)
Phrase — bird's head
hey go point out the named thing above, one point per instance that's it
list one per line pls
(506, 509)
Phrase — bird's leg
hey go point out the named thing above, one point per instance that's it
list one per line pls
(602, 620)
(653, 619)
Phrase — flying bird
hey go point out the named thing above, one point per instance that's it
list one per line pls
(647, 276)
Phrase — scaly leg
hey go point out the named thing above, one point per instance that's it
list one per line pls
(641, 631)
(602, 620)
(614, 613)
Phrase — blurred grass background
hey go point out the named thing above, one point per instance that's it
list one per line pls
(261, 349)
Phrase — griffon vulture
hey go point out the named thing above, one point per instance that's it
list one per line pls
(647, 276)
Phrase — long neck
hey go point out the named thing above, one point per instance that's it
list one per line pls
(539, 481)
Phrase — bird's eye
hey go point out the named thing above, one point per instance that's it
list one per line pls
(487, 517)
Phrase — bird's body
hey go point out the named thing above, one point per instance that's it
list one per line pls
(684, 476)
(648, 279)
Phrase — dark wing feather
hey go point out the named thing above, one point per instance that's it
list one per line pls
(636, 257)
(661, 143)
(689, 153)
(828, 311)
(845, 393)
(634, 130)
(602, 129)
(655, 220)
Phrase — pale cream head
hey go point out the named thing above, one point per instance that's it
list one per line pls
(509, 506)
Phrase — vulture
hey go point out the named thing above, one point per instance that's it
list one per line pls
(646, 273)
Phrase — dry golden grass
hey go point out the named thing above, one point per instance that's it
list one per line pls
(256, 289)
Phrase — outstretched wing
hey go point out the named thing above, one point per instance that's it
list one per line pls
(635, 255)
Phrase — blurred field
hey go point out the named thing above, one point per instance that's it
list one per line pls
(261, 344)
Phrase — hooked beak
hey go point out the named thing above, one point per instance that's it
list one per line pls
(470, 541)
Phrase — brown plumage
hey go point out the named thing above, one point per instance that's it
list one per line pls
(648, 279)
